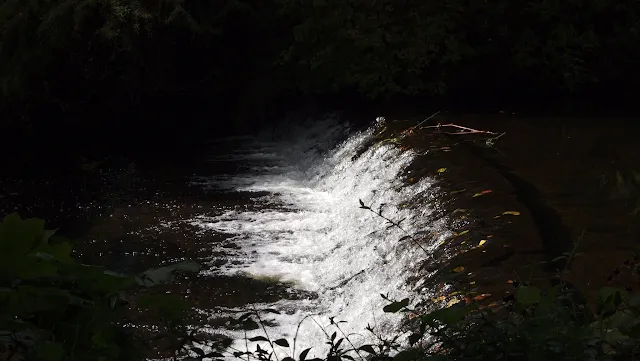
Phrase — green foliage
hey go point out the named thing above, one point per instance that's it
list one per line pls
(78, 56)
(103, 46)
(385, 48)
(340, 346)
(551, 325)
(53, 308)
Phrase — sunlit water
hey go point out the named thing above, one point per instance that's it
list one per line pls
(313, 233)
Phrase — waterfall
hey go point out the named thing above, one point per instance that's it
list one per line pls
(304, 226)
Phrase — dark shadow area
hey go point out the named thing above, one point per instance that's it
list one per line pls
(556, 237)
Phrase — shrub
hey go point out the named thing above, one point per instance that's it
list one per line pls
(53, 308)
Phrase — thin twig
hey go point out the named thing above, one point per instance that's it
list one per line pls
(349, 341)
(397, 225)
(426, 120)
(264, 329)
(295, 337)
(246, 344)
(466, 130)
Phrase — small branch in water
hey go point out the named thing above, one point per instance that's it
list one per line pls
(397, 225)
(341, 284)
(465, 130)
(489, 141)
(426, 120)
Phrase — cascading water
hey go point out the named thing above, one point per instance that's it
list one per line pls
(306, 227)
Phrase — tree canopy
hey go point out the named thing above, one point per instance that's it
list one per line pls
(442, 46)
(111, 64)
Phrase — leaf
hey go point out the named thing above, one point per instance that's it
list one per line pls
(451, 315)
(44, 256)
(303, 354)
(528, 295)
(609, 299)
(61, 252)
(414, 338)
(481, 297)
(458, 269)
(453, 301)
(17, 236)
(441, 170)
(486, 191)
(366, 348)
(50, 351)
(622, 320)
(47, 234)
(463, 232)
(259, 338)
(607, 293)
(245, 316)
(282, 342)
(404, 238)
(396, 306)
(31, 268)
(408, 355)
(481, 243)
(513, 213)
(249, 325)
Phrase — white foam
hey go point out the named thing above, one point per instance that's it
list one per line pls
(323, 241)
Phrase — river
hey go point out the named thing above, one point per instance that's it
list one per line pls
(275, 219)
(304, 226)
